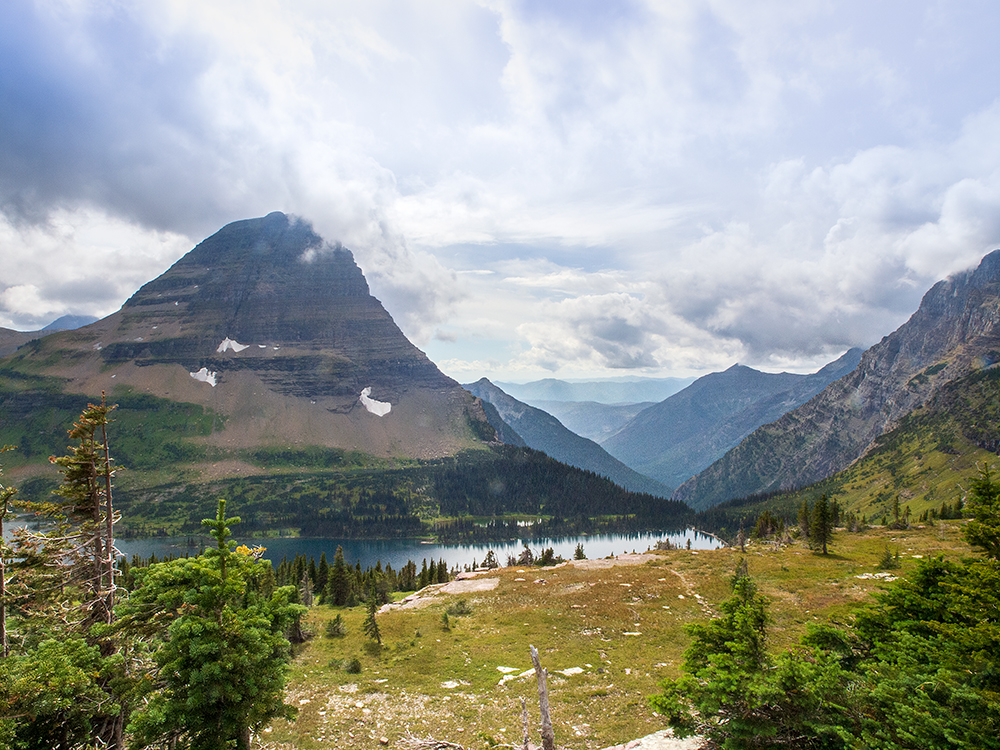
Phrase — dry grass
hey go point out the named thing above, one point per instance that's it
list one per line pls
(622, 625)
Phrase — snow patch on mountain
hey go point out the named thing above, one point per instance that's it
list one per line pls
(228, 343)
(378, 408)
(204, 376)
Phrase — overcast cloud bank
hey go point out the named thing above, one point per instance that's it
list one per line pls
(575, 188)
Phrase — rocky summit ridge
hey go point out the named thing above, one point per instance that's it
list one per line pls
(275, 330)
(955, 331)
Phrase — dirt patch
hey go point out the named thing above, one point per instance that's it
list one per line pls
(605, 562)
(662, 740)
(428, 595)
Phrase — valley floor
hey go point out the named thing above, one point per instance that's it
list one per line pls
(607, 630)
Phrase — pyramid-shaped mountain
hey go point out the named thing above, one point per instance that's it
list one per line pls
(275, 331)
(955, 332)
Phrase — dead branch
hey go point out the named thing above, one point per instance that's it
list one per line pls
(548, 736)
(427, 743)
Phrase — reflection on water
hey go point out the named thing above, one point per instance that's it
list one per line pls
(396, 552)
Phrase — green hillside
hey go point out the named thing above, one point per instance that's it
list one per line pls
(173, 477)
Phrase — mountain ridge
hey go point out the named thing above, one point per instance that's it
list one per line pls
(675, 439)
(276, 331)
(955, 331)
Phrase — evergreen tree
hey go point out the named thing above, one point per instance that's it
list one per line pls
(821, 529)
(6, 497)
(424, 576)
(371, 624)
(87, 505)
(724, 669)
(338, 587)
(804, 517)
(983, 530)
(322, 572)
(578, 553)
(221, 655)
(312, 570)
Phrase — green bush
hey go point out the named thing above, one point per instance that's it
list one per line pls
(351, 666)
(458, 608)
(335, 628)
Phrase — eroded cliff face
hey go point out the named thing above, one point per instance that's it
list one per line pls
(956, 330)
(275, 329)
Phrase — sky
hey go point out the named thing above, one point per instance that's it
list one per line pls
(564, 188)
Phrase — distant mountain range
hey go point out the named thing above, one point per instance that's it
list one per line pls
(590, 419)
(541, 431)
(954, 334)
(615, 391)
(260, 367)
(10, 340)
(677, 438)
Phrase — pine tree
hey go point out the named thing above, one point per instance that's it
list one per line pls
(983, 530)
(87, 505)
(804, 516)
(6, 496)
(322, 572)
(821, 528)
(424, 576)
(371, 624)
(221, 653)
(338, 586)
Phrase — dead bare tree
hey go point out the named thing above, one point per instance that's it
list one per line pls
(524, 724)
(6, 494)
(548, 736)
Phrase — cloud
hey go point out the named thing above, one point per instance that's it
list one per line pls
(77, 262)
(662, 187)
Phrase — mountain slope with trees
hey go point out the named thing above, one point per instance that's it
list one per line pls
(955, 332)
(543, 432)
(919, 469)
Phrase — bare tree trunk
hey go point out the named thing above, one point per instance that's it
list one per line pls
(548, 736)
(109, 521)
(524, 724)
(98, 561)
(4, 649)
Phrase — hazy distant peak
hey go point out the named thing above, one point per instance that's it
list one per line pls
(70, 322)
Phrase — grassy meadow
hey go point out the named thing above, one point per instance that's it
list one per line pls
(619, 621)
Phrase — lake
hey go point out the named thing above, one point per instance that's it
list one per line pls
(397, 552)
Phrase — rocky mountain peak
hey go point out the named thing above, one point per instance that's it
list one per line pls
(276, 329)
(276, 288)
